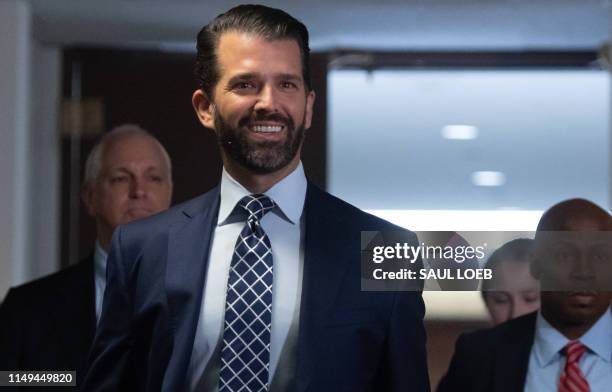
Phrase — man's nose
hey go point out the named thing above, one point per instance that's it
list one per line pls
(582, 268)
(266, 99)
(137, 188)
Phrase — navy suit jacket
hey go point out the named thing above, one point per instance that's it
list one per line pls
(349, 340)
(493, 359)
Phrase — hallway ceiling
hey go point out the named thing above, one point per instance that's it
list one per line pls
(384, 24)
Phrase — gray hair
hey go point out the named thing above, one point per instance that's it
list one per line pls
(93, 164)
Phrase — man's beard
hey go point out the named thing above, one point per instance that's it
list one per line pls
(261, 157)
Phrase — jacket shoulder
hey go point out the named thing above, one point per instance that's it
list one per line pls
(42, 288)
(349, 213)
(510, 330)
(160, 223)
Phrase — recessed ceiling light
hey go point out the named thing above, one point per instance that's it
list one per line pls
(460, 132)
(488, 178)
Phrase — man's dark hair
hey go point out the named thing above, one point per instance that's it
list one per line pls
(515, 251)
(268, 23)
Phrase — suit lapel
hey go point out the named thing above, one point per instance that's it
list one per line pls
(325, 243)
(512, 357)
(188, 249)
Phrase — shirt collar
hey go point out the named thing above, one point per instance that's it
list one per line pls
(289, 194)
(100, 257)
(599, 338)
(549, 342)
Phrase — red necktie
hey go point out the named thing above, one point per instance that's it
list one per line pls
(572, 379)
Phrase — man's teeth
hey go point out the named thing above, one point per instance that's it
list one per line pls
(267, 128)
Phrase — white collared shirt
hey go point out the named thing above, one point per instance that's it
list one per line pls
(546, 363)
(283, 225)
(100, 257)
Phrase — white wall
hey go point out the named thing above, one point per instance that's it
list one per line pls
(15, 46)
(29, 151)
(45, 160)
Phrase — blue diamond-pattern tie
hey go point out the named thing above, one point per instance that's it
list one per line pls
(245, 353)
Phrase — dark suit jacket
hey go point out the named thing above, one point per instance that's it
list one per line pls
(492, 360)
(348, 340)
(49, 324)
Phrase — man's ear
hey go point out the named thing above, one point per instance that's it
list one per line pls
(87, 197)
(204, 108)
(310, 99)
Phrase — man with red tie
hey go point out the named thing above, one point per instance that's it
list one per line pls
(567, 345)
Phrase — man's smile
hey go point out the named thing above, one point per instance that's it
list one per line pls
(266, 128)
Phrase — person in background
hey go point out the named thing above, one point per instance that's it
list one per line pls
(49, 324)
(567, 344)
(512, 292)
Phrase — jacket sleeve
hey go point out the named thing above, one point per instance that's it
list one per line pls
(108, 365)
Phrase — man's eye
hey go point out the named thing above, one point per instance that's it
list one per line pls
(563, 255)
(118, 179)
(288, 85)
(601, 256)
(156, 178)
(244, 86)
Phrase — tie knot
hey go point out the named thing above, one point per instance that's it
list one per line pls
(574, 350)
(257, 205)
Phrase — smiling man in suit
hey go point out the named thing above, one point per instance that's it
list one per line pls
(255, 285)
(49, 324)
(567, 345)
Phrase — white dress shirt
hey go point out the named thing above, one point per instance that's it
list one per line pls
(100, 257)
(546, 363)
(283, 225)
